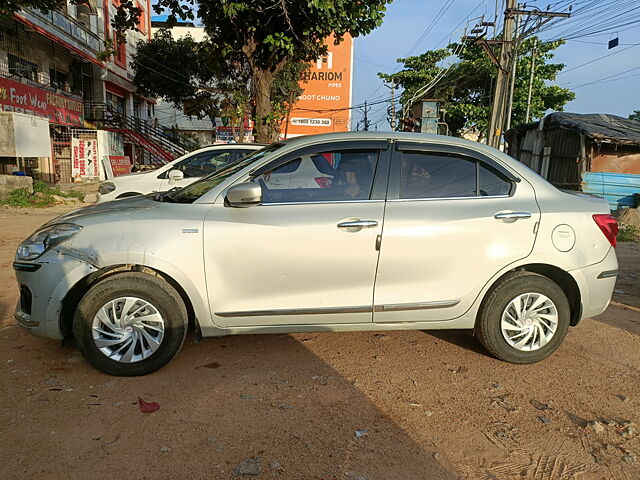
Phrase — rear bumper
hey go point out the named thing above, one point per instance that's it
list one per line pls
(596, 284)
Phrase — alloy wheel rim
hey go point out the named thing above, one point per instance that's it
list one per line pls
(529, 321)
(128, 329)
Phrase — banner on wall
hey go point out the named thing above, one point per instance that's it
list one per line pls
(21, 98)
(84, 157)
(120, 165)
(324, 106)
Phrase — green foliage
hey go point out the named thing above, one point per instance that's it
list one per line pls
(635, 116)
(21, 197)
(268, 35)
(41, 197)
(628, 233)
(466, 88)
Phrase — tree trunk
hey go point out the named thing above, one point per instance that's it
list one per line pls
(263, 80)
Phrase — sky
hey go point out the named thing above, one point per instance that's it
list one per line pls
(406, 21)
(411, 27)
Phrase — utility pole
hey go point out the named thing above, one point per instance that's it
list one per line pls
(498, 111)
(365, 121)
(514, 67)
(534, 51)
(392, 123)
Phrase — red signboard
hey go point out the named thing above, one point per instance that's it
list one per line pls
(119, 165)
(21, 98)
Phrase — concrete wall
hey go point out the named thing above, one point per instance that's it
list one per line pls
(12, 182)
(617, 162)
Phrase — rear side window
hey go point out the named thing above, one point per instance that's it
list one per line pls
(491, 183)
(442, 175)
(436, 176)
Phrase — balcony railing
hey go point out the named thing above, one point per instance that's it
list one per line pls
(70, 29)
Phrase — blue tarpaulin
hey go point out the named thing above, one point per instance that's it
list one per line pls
(617, 188)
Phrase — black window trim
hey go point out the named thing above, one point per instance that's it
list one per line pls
(440, 148)
(393, 193)
(380, 176)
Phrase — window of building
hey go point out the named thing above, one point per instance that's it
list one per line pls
(142, 19)
(58, 79)
(117, 103)
(84, 11)
(24, 68)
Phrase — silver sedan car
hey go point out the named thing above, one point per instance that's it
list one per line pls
(410, 232)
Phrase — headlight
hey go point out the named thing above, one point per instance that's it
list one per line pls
(106, 187)
(44, 239)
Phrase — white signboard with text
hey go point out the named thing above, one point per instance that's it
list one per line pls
(84, 157)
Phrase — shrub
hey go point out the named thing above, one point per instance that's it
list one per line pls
(628, 233)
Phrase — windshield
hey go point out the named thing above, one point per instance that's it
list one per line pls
(192, 192)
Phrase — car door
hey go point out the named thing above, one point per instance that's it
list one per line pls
(305, 255)
(454, 218)
(196, 166)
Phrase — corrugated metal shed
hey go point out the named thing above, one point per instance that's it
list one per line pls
(617, 188)
(600, 127)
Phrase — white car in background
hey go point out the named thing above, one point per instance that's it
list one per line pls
(308, 171)
(178, 173)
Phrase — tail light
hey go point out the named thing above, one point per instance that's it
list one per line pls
(324, 182)
(609, 226)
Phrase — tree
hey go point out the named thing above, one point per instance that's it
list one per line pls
(272, 34)
(635, 116)
(465, 89)
(198, 78)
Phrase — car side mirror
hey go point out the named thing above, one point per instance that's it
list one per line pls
(244, 195)
(175, 176)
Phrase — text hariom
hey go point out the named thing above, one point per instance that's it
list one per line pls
(329, 76)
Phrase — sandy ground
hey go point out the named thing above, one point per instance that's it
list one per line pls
(434, 405)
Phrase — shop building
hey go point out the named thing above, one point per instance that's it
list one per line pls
(52, 66)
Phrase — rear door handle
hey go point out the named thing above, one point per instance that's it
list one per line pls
(512, 215)
(358, 224)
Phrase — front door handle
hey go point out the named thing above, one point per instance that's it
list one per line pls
(512, 215)
(358, 224)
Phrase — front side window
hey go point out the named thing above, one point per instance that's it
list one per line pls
(442, 175)
(204, 163)
(192, 192)
(336, 175)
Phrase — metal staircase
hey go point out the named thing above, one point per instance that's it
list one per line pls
(162, 147)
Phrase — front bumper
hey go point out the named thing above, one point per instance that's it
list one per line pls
(596, 284)
(42, 291)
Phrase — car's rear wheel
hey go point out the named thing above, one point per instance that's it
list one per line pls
(130, 324)
(524, 318)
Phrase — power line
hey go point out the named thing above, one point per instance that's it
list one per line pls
(599, 58)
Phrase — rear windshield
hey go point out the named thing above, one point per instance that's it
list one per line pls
(192, 192)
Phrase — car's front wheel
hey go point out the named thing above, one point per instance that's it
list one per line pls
(130, 324)
(524, 318)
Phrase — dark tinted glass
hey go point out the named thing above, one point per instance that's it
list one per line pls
(322, 164)
(323, 177)
(492, 183)
(288, 167)
(426, 175)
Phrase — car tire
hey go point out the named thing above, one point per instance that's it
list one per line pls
(125, 309)
(521, 308)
